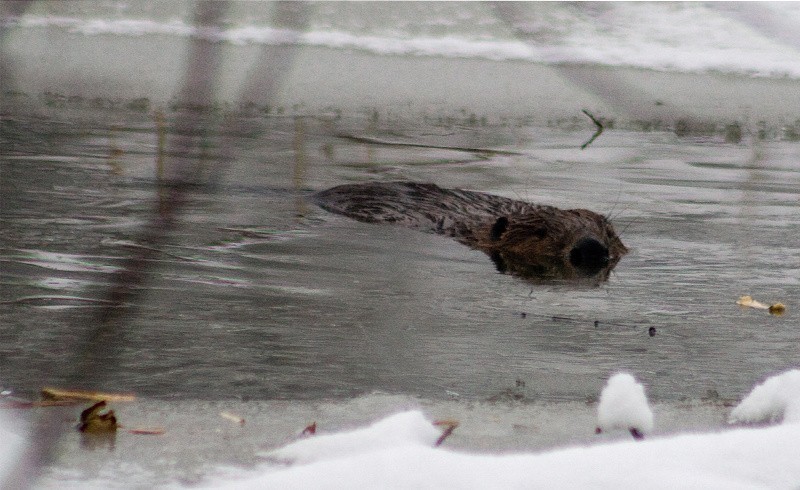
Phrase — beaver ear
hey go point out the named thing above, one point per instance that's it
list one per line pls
(498, 228)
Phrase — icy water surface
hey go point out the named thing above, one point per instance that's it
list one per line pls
(260, 295)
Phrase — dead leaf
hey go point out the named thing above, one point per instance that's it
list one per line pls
(49, 393)
(749, 302)
(774, 309)
(310, 430)
(777, 309)
(232, 417)
(93, 421)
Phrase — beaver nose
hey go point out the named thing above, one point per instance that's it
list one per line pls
(589, 255)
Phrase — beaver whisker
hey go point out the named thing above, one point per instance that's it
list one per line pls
(631, 222)
(534, 241)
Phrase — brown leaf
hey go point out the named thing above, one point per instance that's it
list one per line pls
(232, 417)
(776, 309)
(49, 393)
(93, 421)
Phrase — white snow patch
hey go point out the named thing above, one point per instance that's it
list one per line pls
(12, 442)
(399, 430)
(777, 397)
(623, 405)
(741, 458)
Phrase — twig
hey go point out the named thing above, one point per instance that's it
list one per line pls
(596, 133)
(449, 425)
(375, 141)
(310, 430)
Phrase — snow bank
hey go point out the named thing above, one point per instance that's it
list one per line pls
(402, 429)
(741, 458)
(777, 397)
(397, 453)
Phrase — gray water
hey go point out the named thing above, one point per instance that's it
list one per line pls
(260, 295)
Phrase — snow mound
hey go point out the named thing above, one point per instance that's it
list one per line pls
(403, 429)
(11, 445)
(740, 458)
(777, 397)
(623, 405)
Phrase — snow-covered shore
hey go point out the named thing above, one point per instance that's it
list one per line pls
(739, 458)
(398, 451)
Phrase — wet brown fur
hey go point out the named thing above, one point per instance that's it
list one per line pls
(530, 240)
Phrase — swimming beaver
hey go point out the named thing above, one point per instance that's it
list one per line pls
(529, 240)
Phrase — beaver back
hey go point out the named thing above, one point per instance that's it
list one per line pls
(522, 238)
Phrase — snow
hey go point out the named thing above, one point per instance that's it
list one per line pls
(11, 444)
(398, 452)
(777, 397)
(403, 429)
(691, 37)
(623, 405)
(740, 458)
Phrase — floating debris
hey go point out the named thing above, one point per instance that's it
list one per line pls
(774, 309)
(49, 393)
(147, 431)
(232, 417)
(95, 421)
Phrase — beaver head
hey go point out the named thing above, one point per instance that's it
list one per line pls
(553, 243)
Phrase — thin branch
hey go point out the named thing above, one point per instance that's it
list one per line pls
(375, 141)
(596, 133)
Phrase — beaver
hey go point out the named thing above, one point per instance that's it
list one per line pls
(530, 240)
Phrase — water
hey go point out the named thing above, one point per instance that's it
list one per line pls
(259, 302)
(264, 305)
(261, 295)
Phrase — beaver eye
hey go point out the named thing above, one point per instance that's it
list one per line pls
(499, 227)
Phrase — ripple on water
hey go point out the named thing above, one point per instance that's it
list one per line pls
(66, 262)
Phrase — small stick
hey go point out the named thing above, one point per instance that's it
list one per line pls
(375, 141)
(147, 431)
(450, 426)
(310, 430)
(35, 404)
(596, 133)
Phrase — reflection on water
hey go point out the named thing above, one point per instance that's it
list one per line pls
(260, 294)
